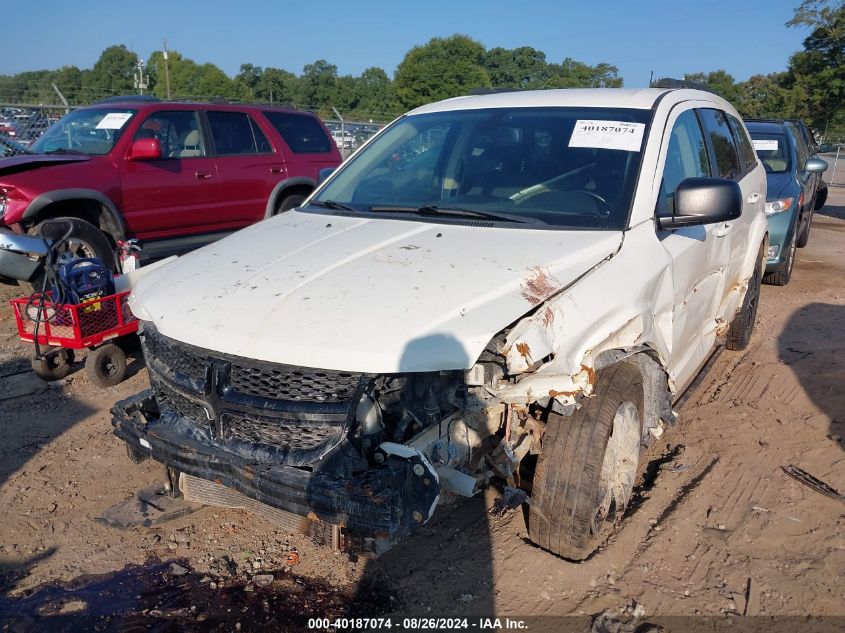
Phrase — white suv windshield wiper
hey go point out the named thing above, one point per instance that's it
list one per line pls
(435, 210)
(334, 206)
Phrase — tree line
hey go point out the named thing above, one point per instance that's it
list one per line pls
(812, 87)
(442, 68)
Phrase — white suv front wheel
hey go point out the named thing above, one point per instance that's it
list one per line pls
(585, 474)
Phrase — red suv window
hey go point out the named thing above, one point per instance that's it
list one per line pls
(177, 131)
(301, 132)
(236, 133)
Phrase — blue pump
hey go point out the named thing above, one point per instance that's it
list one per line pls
(83, 280)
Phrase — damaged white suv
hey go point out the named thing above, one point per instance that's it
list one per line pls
(512, 286)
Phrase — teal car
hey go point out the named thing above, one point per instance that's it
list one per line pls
(793, 177)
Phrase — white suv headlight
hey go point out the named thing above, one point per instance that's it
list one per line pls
(778, 206)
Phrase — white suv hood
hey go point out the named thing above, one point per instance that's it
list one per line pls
(369, 295)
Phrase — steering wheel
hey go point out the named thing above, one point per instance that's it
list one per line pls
(604, 206)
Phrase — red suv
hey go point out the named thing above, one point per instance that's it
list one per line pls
(173, 175)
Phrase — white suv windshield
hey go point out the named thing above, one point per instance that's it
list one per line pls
(563, 167)
(89, 131)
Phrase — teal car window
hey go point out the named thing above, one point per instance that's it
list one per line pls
(773, 152)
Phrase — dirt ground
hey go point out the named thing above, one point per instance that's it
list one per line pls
(718, 527)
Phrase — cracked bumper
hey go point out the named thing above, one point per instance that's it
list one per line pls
(20, 255)
(375, 508)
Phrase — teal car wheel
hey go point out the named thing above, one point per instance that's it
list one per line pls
(783, 274)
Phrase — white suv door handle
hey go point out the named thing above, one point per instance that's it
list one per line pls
(723, 230)
(753, 198)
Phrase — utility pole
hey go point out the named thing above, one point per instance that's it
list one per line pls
(342, 129)
(141, 81)
(62, 97)
(166, 71)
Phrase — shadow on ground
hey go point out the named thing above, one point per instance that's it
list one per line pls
(811, 345)
(32, 420)
(453, 552)
(168, 596)
(445, 569)
(832, 209)
(29, 423)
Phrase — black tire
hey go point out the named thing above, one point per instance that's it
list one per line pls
(290, 202)
(566, 515)
(86, 240)
(782, 276)
(739, 332)
(53, 364)
(106, 365)
(821, 197)
(804, 235)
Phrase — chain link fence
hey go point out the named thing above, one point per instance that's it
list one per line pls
(26, 114)
(22, 125)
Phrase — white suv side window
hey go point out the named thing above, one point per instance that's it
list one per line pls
(685, 158)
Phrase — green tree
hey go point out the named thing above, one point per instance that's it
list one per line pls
(69, 80)
(249, 77)
(763, 97)
(346, 94)
(29, 87)
(818, 72)
(317, 85)
(719, 81)
(189, 79)
(113, 73)
(574, 74)
(821, 14)
(376, 94)
(523, 68)
(277, 86)
(210, 81)
(442, 68)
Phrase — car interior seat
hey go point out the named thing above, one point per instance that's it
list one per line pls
(774, 159)
(189, 144)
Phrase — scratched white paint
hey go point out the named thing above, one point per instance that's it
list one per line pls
(358, 294)
(669, 291)
(381, 296)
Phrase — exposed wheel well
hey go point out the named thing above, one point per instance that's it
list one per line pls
(293, 190)
(91, 211)
(657, 396)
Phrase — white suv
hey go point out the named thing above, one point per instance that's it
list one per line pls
(514, 285)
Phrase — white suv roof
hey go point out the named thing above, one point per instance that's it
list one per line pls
(642, 98)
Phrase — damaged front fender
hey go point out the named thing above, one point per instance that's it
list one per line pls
(624, 303)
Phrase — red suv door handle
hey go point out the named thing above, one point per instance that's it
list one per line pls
(202, 175)
(276, 170)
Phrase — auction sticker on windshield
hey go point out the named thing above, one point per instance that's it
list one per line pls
(607, 135)
(114, 120)
(765, 145)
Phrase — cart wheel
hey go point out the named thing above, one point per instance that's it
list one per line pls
(106, 365)
(54, 365)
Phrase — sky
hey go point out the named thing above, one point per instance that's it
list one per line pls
(669, 37)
